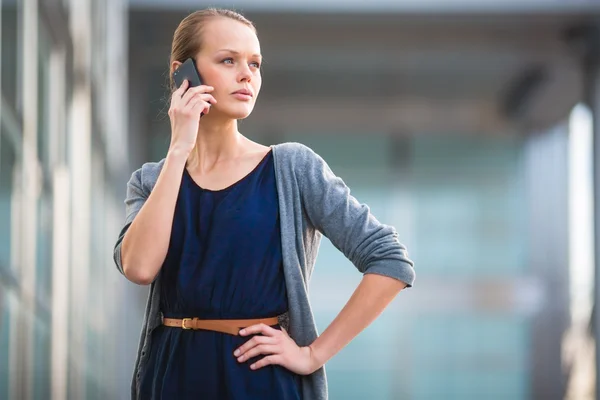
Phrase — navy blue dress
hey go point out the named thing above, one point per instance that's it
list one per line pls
(224, 262)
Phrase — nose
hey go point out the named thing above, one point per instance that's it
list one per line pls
(245, 74)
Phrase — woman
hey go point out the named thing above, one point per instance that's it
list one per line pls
(227, 231)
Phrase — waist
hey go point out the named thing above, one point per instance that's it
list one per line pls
(230, 326)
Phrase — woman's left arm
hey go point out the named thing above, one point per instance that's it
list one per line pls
(368, 301)
(371, 246)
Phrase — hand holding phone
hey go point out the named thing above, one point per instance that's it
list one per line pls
(188, 71)
(188, 103)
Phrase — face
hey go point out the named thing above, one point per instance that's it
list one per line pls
(230, 62)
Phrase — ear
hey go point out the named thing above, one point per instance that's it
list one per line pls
(175, 65)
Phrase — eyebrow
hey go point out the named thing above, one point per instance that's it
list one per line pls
(237, 52)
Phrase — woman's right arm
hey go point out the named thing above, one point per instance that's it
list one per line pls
(145, 243)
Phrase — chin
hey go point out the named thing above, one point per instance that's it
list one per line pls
(239, 112)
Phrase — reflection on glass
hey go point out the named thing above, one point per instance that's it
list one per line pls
(44, 221)
(10, 55)
(7, 166)
(8, 279)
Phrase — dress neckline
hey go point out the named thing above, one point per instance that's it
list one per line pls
(256, 167)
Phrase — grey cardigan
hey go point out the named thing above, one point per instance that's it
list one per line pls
(312, 201)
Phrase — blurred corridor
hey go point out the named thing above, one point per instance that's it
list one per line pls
(469, 127)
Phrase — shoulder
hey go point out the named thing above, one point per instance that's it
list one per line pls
(295, 154)
(304, 165)
(146, 176)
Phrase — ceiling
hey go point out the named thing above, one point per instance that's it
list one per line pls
(410, 73)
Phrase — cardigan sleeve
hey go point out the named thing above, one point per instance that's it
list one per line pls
(135, 199)
(371, 246)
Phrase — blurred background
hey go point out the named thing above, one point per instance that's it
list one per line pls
(466, 124)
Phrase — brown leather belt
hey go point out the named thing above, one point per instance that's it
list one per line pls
(231, 326)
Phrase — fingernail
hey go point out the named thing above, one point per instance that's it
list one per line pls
(236, 353)
(243, 331)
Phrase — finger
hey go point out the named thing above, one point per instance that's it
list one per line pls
(181, 89)
(259, 328)
(197, 90)
(193, 108)
(189, 97)
(208, 98)
(211, 99)
(268, 360)
(198, 100)
(203, 88)
(176, 96)
(255, 341)
(206, 109)
(260, 349)
(201, 107)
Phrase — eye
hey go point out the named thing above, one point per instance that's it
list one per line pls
(256, 64)
(228, 61)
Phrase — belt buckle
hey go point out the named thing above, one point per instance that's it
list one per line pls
(183, 323)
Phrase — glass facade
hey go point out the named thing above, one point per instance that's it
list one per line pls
(44, 352)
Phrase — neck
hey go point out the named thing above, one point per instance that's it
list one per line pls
(217, 140)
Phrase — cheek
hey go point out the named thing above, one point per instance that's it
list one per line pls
(256, 84)
(221, 88)
(213, 77)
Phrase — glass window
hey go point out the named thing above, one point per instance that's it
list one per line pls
(470, 356)
(8, 281)
(10, 145)
(7, 161)
(44, 229)
(6, 305)
(43, 136)
(44, 248)
(4, 345)
(42, 373)
(469, 205)
(45, 217)
(11, 53)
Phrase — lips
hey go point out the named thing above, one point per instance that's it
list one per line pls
(244, 92)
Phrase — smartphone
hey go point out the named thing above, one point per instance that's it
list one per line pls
(188, 71)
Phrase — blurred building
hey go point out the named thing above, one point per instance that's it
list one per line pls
(63, 136)
(452, 120)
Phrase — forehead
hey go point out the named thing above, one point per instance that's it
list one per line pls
(226, 33)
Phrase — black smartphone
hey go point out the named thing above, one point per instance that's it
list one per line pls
(188, 71)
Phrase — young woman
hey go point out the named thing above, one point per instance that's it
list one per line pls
(226, 231)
